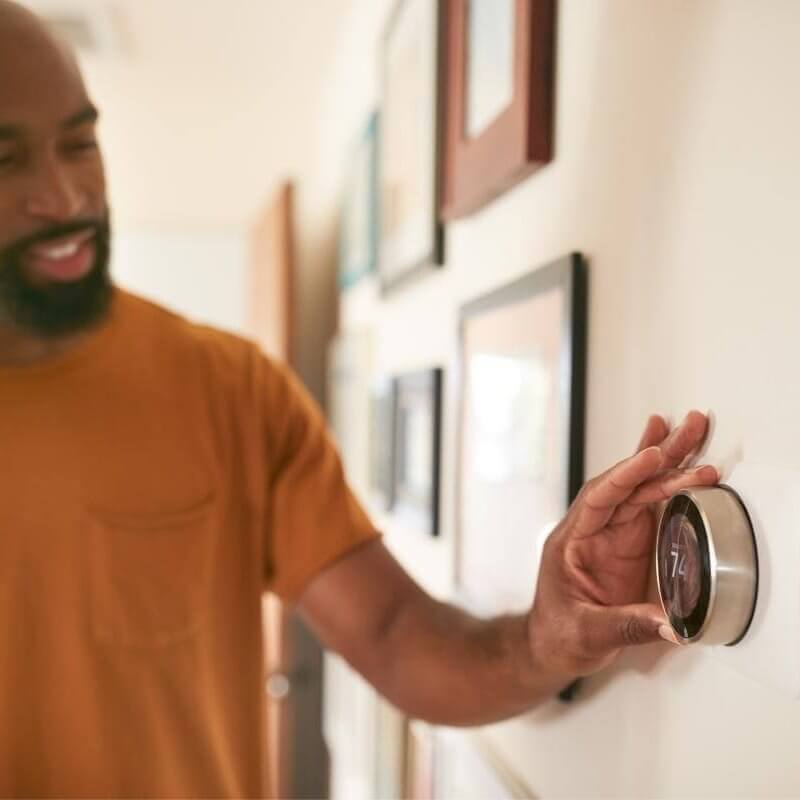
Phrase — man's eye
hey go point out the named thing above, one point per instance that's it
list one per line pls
(7, 160)
(83, 146)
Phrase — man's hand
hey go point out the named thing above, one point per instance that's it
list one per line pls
(590, 598)
(439, 663)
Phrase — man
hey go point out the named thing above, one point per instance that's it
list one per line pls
(160, 475)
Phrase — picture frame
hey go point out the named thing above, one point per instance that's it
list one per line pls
(358, 240)
(382, 415)
(349, 729)
(348, 375)
(468, 768)
(420, 761)
(391, 740)
(499, 114)
(411, 234)
(522, 364)
(417, 449)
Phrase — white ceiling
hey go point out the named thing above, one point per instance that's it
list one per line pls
(208, 104)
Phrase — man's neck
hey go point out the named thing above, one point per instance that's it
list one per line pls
(18, 348)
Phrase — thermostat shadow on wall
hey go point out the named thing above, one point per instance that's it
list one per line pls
(769, 652)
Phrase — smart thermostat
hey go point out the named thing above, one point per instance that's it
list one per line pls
(707, 566)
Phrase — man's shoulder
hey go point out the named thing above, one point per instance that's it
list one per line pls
(169, 336)
(193, 357)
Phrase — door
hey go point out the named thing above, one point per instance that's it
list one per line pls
(296, 761)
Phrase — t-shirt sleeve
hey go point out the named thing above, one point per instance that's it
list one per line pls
(313, 516)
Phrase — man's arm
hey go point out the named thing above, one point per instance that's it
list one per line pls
(430, 659)
(440, 664)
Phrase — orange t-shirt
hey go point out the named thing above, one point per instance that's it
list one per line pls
(155, 481)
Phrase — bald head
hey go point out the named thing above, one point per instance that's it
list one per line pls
(14, 13)
(25, 39)
(53, 216)
(19, 25)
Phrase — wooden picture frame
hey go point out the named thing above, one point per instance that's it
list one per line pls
(417, 449)
(411, 235)
(358, 240)
(272, 276)
(487, 153)
(522, 366)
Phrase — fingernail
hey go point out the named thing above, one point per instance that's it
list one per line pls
(707, 468)
(668, 635)
(655, 449)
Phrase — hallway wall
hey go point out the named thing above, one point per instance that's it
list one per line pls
(676, 173)
(199, 274)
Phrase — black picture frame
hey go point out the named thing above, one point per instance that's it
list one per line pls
(428, 253)
(417, 449)
(497, 565)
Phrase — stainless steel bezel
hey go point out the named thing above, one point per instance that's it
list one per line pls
(733, 564)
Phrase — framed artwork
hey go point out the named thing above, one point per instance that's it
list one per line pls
(358, 246)
(417, 438)
(411, 239)
(349, 365)
(381, 481)
(522, 367)
(467, 769)
(349, 730)
(390, 750)
(420, 762)
(500, 58)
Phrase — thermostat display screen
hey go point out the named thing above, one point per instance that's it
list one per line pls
(680, 563)
(683, 567)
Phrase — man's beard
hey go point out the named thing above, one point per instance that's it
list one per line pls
(56, 309)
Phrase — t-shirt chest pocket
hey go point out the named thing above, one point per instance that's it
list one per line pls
(150, 574)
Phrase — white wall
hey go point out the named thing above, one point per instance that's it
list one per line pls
(198, 274)
(676, 172)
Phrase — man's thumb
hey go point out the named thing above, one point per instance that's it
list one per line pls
(613, 627)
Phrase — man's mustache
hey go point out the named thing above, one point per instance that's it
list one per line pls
(99, 226)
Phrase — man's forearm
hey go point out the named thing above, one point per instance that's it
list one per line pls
(440, 664)
(430, 659)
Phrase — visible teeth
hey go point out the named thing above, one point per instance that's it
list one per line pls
(65, 251)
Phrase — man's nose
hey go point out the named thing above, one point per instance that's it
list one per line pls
(53, 195)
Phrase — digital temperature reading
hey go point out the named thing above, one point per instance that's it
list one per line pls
(706, 566)
(682, 561)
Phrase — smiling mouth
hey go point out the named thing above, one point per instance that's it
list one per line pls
(67, 258)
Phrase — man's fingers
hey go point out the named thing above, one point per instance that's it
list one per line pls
(601, 496)
(656, 430)
(609, 628)
(662, 487)
(688, 436)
